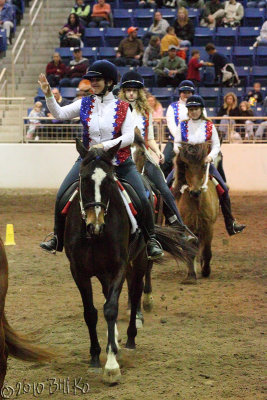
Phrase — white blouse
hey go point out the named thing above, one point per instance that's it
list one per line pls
(196, 134)
(139, 122)
(183, 114)
(102, 119)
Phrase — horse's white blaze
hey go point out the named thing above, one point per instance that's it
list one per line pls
(111, 360)
(98, 177)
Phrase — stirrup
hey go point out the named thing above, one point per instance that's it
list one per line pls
(54, 252)
(241, 227)
(159, 245)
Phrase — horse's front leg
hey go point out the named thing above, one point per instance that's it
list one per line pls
(205, 256)
(112, 372)
(148, 297)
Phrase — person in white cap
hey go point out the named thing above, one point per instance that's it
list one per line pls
(171, 69)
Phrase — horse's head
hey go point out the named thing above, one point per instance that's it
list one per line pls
(96, 177)
(193, 156)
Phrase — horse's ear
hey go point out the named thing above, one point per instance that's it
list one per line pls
(113, 150)
(81, 149)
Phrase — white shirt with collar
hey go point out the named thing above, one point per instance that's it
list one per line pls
(138, 120)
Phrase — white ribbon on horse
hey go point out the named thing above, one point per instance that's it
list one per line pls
(204, 187)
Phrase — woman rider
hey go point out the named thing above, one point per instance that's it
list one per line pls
(106, 121)
(198, 129)
(132, 90)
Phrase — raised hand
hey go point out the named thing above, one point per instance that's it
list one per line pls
(44, 85)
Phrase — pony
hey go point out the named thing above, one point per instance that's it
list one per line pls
(198, 202)
(98, 242)
(10, 341)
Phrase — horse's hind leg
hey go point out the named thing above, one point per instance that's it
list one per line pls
(148, 298)
(205, 257)
(191, 278)
(90, 317)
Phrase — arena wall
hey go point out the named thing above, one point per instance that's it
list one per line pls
(45, 165)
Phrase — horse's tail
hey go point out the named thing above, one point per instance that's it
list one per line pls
(171, 241)
(20, 347)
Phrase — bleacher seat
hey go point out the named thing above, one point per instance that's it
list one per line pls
(149, 76)
(128, 4)
(258, 112)
(261, 56)
(226, 36)
(107, 53)
(254, 16)
(225, 50)
(203, 36)
(203, 54)
(258, 74)
(3, 41)
(211, 111)
(207, 76)
(94, 37)
(247, 35)
(123, 70)
(193, 14)
(238, 91)
(90, 53)
(243, 56)
(141, 32)
(243, 73)
(211, 96)
(113, 36)
(164, 95)
(122, 18)
(68, 92)
(169, 14)
(40, 95)
(143, 17)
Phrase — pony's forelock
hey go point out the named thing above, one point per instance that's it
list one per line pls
(193, 153)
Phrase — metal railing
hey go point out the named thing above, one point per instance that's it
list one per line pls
(19, 45)
(3, 82)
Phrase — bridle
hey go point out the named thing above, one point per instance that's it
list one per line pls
(204, 187)
(91, 204)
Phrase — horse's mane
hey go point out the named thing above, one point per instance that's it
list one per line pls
(193, 153)
(97, 154)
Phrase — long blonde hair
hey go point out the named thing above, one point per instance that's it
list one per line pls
(141, 104)
(184, 10)
(234, 105)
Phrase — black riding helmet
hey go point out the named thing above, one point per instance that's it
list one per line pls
(195, 101)
(186, 86)
(103, 69)
(132, 79)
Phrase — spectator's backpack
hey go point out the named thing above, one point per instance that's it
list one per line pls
(229, 75)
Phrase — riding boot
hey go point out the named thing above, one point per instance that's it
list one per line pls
(232, 226)
(56, 243)
(154, 249)
(176, 222)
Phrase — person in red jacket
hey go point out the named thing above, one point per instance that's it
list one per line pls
(55, 70)
(193, 67)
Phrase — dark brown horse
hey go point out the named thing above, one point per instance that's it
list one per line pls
(98, 242)
(198, 203)
(11, 342)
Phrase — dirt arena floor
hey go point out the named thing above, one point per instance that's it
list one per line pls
(200, 342)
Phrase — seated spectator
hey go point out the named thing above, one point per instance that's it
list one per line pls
(36, 112)
(213, 12)
(6, 18)
(61, 101)
(169, 39)
(101, 16)
(72, 32)
(255, 96)
(156, 106)
(55, 70)
(233, 13)
(262, 39)
(225, 72)
(76, 70)
(171, 69)
(228, 109)
(152, 52)
(131, 49)
(158, 28)
(184, 27)
(245, 111)
(147, 4)
(193, 67)
(82, 10)
(262, 128)
(190, 4)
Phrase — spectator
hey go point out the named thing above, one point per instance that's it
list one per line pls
(157, 109)
(228, 109)
(101, 16)
(184, 27)
(159, 27)
(82, 10)
(262, 128)
(76, 70)
(213, 12)
(62, 102)
(36, 112)
(131, 49)
(72, 32)
(190, 3)
(55, 70)
(6, 18)
(152, 52)
(255, 96)
(245, 111)
(225, 71)
(171, 69)
(169, 39)
(193, 67)
(147, 4)
(262, 39)
(234, 12)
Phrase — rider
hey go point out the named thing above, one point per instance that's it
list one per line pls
(132, 91)
(106, 121)
(198, 129)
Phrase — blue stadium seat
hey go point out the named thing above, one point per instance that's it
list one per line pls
(143, 17)
(123, 70)
(65, 54)
(169, 14)
(243, 56)
(128, 4)
(211, 96)
(107, 53)
(243, 73)
(247, 35)
(226, 37)
(258, 74)
(207, 76)
(211, 111)
(239, 92)
(94, 37)
(164, 95)
(254, 16)
(203, 54)
(203, 36)
(193, 14)
(261, 56)
(148, 75)
(122, 18)
(40, 95)
(141, 32)
(68, 92)
(258, 112)
(225, 50)
(113, 36)
(90, 53)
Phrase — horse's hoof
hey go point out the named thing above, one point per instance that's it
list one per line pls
(94, 363)
(148, 302)
(130, 345)
(205, 272)
(189, 280)
(138, 323)
(112, 376)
